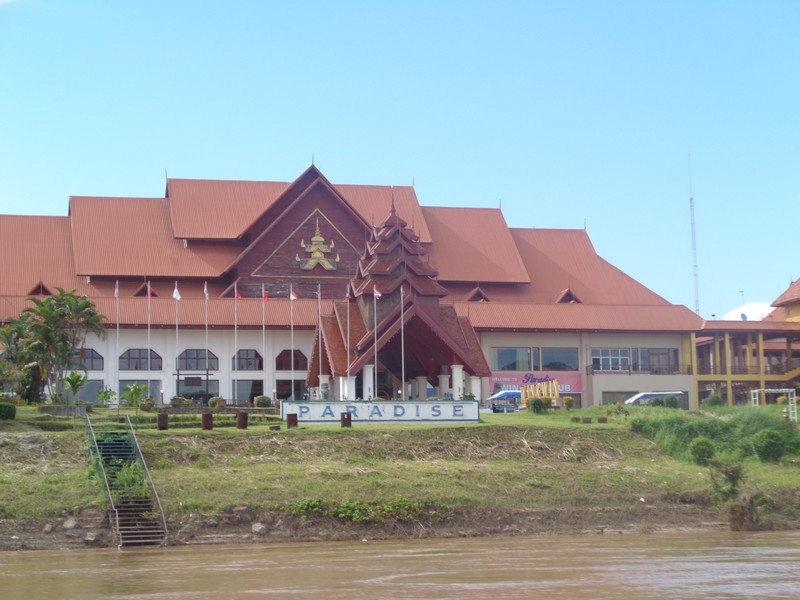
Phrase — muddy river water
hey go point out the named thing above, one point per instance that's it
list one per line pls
(682, 565)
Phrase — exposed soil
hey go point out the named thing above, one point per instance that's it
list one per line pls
(241, 526)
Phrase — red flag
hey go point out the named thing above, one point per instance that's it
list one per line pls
(292, 295)
(376, 292)
(266, 296)
(348, 296)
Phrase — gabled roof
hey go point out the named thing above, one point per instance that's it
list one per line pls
(207, 209)
(218, 210)
(473, 244)
(579, 317)
(792, 294)
(565, 259)
(37, 251)
(126, 237)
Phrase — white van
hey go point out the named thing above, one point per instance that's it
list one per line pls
(647, 397)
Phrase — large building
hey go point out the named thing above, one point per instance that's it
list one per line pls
(393, 299)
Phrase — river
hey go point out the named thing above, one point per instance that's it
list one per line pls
(692, 565)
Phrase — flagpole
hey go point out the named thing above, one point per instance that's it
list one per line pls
(319, 335)
(375, 338)
(148, 340)
(177, 295)
(116, 349)
(205, 293)
(235, 339)
(348, 342)
(402, 347)
(291, 338)
(264, 339)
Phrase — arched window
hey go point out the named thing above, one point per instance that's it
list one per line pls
(283, 362)
(195, 360)
(135, 359)
(87, 359)
(248, 360)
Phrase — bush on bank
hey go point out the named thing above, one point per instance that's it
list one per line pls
(736, 433)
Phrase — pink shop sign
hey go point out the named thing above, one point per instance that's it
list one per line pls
(569, 382)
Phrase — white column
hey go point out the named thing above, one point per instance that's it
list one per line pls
(350, 387)
(368, 381)
(475, 387)
(444, 384)
(458, 381)
(422, 388)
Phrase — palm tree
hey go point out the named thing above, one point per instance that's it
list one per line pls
(57, 328)
(75, 382)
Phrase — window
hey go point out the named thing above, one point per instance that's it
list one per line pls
(87, 359)
(283, 362)
(154, 387)
(661, 361)
(198, 389)
(135, 359)
(248, 360)
(245, 390)
(611, 359)
(512, 359)
(559, 359)
(195, 360)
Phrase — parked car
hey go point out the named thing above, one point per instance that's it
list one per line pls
(643, 398)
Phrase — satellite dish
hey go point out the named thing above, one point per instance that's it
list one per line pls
(744, 317)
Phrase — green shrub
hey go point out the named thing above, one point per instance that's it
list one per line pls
(540, 405)
(671, 401)
(8, 411)
(768, 445)
(216, 402)
(714, 400)
(263, 401)
(702, 450)
(569, 402)
(657, 401)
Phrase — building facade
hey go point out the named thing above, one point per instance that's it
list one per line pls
(310, 289)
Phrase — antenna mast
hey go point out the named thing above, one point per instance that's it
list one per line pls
(694, 242)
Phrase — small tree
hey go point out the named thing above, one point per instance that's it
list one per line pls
(702, 450)
(769, 445)
(134, 393)
(106, 395)
(75, 382)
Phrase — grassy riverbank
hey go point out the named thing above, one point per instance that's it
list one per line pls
(510, 474)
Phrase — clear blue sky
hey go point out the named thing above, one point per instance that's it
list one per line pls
(568, 114)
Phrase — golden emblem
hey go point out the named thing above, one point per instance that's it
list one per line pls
(317, 249)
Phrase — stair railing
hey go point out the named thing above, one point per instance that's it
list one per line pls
(113, 512)
(150, 486)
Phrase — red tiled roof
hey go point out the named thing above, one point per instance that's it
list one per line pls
(473, 245)
(792, 294)
(561, 259)
(38, 249)
(124, 237)
(768, 326)
(221, 210)
(578, 317)
(374, 202)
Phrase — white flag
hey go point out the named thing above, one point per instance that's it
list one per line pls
(176, 294)
(205, 290)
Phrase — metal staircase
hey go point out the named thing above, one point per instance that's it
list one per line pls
(135, 512)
